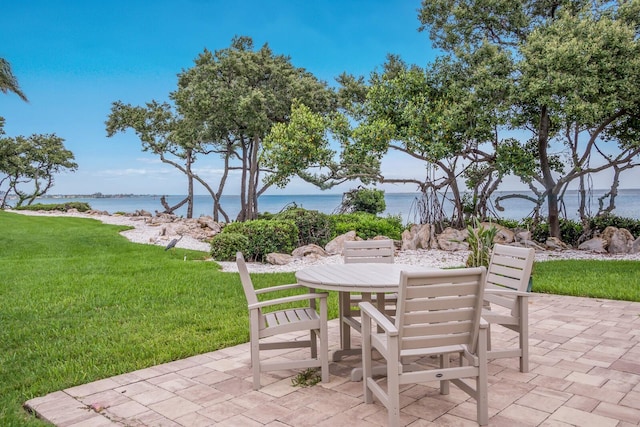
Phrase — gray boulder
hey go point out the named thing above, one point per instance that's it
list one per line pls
(278, 259)
(308, 250)
(453, 240)
(619, 240)
(597, 244)
(335, 246)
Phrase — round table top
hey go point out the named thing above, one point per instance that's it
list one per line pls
(355, 277)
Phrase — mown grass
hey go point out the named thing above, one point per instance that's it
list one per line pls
(617, 280)
(78, 302)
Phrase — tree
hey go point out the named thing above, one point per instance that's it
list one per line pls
(28, 165)
(158, 127)
(8, 82)
(575, 84)
(236, 95)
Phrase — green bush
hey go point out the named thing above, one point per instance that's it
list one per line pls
(367, 225)
(604, 221)
(313, 227)
(570, 231)
(225, 245)
(364, 200)
(80, 206)
(265, 236)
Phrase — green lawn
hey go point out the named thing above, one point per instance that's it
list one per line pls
(78, 302)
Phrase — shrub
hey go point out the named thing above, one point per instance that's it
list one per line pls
(313, 227)
(364, 200)
(265, 236)
(480, 241)
(80, 206)
(601, 222)
(367, 225)
(225, 245)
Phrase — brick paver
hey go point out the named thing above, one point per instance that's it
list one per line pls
(584, 371)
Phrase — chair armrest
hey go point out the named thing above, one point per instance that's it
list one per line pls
(285, 300)
(483, 323)
(382, 320)
(279, 288)
(506, 292)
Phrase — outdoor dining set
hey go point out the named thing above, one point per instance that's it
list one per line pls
(417, 324)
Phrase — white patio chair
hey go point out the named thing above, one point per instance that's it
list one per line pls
(284, 321)
(438, 314)
(506, 287)
(363, 251)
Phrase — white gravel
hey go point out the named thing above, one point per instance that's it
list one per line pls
(146, 233)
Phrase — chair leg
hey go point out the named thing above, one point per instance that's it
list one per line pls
(255, 359)
(313, 342)
(524, 334)
(482, 397)
(393, 384)
(367, 369)
(324, 342)
(445, 362)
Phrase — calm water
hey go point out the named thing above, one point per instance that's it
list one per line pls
(403, 204)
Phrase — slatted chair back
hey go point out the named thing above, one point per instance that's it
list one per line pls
(369, 251)
(439, 309)
(509, 269)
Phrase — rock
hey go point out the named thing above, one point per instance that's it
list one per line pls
(529, 244)
(597, 244)
(453, 240)
(307, 250)
(635, 246)
(418, 237)
(503, 235)
(619, 240)
(278, 259)
(555, 244)
(208, 222)
(523, 236)
(335, 246)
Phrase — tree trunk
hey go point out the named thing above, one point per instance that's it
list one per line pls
(548, 181)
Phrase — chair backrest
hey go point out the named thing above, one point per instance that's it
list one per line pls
(439, 308)
(510, 268)
(370, 251)
(247, 284)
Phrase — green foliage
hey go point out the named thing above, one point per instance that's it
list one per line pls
(314, 227)
(480, 241)
(80, 206)
(604, 221)
(368, 200)
(570, 231)
(368, 225)
(307, 378)
(265, 236)
(225, 245)
(28, 165)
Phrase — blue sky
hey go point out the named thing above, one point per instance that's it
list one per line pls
(74, 58)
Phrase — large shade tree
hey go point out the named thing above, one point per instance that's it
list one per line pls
(236, 95)
(576, 80)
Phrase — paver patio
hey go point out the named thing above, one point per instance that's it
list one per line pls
(584, 371)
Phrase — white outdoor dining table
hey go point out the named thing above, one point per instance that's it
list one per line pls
(347, 278)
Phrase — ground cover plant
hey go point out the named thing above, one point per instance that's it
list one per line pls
(78, 302)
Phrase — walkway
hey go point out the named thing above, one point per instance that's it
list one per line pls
(584, 371)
